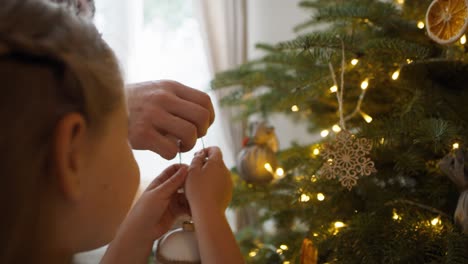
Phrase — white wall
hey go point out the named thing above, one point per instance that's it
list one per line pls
(271, 21)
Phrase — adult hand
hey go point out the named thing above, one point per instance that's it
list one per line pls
(163, 112)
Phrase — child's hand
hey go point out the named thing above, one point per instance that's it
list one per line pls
(151, 217)
(160, 204)
(209, 184)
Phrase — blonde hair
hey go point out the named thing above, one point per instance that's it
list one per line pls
(52, 62)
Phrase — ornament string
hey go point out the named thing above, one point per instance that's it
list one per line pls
(340, 90)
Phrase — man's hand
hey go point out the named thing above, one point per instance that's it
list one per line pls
(163, 112)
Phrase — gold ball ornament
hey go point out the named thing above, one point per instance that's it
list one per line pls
(251, 164)
(447, 20)
(179, 246)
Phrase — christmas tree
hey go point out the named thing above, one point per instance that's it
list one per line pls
(386, 85)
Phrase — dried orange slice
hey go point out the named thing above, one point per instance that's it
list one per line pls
(447, 20)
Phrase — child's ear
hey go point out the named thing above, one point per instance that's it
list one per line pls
(68, 151)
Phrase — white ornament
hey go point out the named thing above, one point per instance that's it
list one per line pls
(179, 246)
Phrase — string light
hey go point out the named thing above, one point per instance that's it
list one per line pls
(395, 75)
(354, 62)
(382, 141)
(336, 128)
(456, 145)
(463, 40)
(339, 224)
(294, 108)
(420, 25)
(401, 2)
(366, 117)
(365, 84)
(286, 262)
(253, 253)
(315, 235)
(284, 247)
(324, 133)
(304, 198)
(320, 196)
(409, 61)
(280, 172)
(334, 89)
(395, 216)
(279, 251)
(436, 221)
(313, 178)
(268, 167)
(316, 151)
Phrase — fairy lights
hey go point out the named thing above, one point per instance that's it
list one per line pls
(320, 196)
(324, 133)
(316, 151)
(436, 221)
(365, 84)
(334, 89)
(354, 62)
(280, 172)
(456, 145)
(395, 75)
(336, 128)
(294, 108)
(420, 24)
(366, 117)
(304, 198)
(463, 40)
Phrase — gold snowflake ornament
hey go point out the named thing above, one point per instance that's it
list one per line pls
(346, 159)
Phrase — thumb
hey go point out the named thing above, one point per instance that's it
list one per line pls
(172, 184)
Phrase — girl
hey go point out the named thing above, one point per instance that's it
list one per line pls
(67, 173)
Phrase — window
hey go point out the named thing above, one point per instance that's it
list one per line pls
(155, 39)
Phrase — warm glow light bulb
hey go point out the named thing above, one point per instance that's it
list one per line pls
(409, 61)
(252, 253)
(456, 145)
(336, 128)
(395, 75)
(280, 172)
(286, 262)
(463, 40)
(320, 196)
(334, 89)
(436, 221)
(354, 62)
(268, 167)
(316, 151)
(294, 108)
(366, 117)
(284, 247)
(420, 25)
(324, 133)
(365, 84)
(339, 224)
(401, 2)
(305, 198)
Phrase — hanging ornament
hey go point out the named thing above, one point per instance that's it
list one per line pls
(346, 156)
(447, 20)
(309, 253)
(257, 162)
(453, 165)
(345, 159)
(179, 246)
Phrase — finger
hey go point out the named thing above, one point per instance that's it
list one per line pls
(166, 174)
(164, 145)
(177, 128)
(198, 160)
(196, 96)
(190, 111)
(213, 153)
(171, 185)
